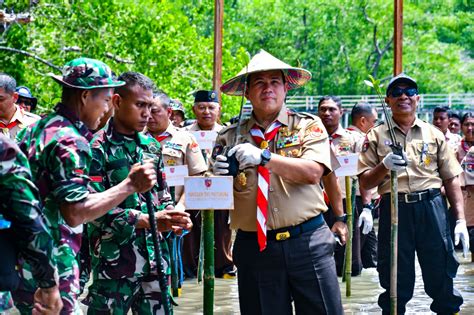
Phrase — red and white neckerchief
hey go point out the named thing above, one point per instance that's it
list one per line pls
(10, 125)
(162, 136)
(465, 146)
(262, 141)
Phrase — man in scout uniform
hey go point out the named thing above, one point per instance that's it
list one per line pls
(207, 110)
(441, 120)
(283, 248)
(178, 115)
(20, 208)
(364, 117)
(26, 100)
(123, 257)
(13, 118)
(344, 142)
(454, 122)
(179, 146)
(422, 213)
(59, 154)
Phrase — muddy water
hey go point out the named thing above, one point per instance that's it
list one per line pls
(364, 293)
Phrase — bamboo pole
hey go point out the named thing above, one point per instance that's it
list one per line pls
(348, 260)
(208, 215)
(397, 69)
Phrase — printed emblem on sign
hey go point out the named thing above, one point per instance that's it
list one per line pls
(172, 169)
(208, 183)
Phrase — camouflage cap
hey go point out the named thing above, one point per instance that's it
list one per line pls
(177, 105)
(86, 73)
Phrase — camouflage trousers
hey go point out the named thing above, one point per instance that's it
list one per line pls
(68, 271)
(117, 297)
(6, 301)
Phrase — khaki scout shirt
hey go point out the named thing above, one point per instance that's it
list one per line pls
(21, 119)
(430, 159)
(345, 142)
(180, 148)
(453, 140)
(300, 136)
(195, 127)
(466, 157)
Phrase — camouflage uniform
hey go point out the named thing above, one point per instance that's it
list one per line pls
(19, 204)
(124, 270)
(58, 150)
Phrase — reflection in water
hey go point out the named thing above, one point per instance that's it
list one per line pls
(365, 291)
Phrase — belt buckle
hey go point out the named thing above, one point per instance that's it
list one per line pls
(409, 200)
(282, 236)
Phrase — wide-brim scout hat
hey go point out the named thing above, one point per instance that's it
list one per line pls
(25, 92)
(399, 79)
(263, 61)
(87, 74)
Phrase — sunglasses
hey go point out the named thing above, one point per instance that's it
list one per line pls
(24, 101)
(397, 92)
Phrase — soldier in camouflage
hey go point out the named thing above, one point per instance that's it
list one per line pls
(19, 205)
(59, 154)
(123, 257)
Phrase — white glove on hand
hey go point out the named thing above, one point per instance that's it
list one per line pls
(179, 207)
(366, 218)
(247, 154)
(395, 162)
(460, 232)
(220, 166)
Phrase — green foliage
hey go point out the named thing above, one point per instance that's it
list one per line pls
(172, 42)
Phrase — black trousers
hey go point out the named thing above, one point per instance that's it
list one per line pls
(423, 228)
(368, 242)
(300, 269)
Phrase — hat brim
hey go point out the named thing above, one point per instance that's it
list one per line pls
(60, 80)
(294, 78)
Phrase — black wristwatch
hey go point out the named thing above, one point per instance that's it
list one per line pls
(342, 218)
(266, 156)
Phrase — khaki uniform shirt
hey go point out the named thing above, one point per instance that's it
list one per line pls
(180, 148)
(20, 120)
(345, 142)
(453, 140)
(359, 145)
(301, 136)
(430, 159)
(466, 157)
(195, 127)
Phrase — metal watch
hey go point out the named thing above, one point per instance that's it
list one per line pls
(342, 218)
(266, 156)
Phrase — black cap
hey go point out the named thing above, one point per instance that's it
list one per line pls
(205, 96)
(401, 78)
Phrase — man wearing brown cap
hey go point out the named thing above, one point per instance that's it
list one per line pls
(207, 111)
(283, 248)
(427, 164)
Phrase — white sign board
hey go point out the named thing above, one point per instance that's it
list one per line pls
(216, 192)
(205, 138)
(348, 165)
(175, 175)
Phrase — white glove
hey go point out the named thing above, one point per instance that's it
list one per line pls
(179, 207)
(395, 162)
(247, 154)
(366, 218)
(220, 166)
(460, 232)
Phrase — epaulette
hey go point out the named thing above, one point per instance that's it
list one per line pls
(306, 115)
(233, 126)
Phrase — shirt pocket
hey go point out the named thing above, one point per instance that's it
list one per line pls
(172, 157)
(425, 154)
(246, 180)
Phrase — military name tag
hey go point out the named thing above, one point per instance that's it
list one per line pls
(205, 139)
(174, 146)
(175, 175)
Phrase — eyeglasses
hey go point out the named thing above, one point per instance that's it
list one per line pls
(397, 92)
(24, 101)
